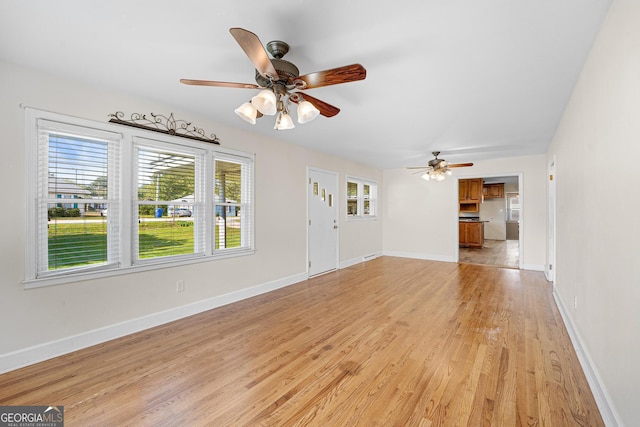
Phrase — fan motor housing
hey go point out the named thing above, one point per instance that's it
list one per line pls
(285, 69)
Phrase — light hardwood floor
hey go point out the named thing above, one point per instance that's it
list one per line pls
(501, 253)
(390, 342)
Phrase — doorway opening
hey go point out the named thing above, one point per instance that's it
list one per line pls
(499, 216)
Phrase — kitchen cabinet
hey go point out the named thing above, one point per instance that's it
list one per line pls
(470, 194)
(471, 234)
(493, 191)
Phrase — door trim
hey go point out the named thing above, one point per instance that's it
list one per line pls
(456, 255)
(550, 272)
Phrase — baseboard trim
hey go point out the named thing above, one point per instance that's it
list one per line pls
(603, 400)
(358, 260)
(533, 267)
(49, 350)
(413, 255)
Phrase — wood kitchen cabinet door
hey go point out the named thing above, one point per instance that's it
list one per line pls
(493, 191)
(474, 234)
(463, 190)
(470, 190)
(470, 194)
(471, 234)
(462, 233)
(475, 190)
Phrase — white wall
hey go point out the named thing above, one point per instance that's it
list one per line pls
(72, 315)
(421, 217)
(597, 150)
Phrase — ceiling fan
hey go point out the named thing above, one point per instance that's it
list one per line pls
(281, 83)
(437, 168)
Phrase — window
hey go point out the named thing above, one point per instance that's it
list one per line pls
(86, 222)
(232, 200)
(361, 198)
(169, 202)
(513, 207)
(77, 180)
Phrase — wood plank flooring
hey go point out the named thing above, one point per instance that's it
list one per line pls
(390, 342)
(500, 253)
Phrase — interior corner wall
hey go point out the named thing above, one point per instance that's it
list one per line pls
(36, 318)
(597, 149)
(420, 218)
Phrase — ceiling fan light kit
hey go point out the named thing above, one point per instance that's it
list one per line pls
(284, 121)
(265, 102)
(436, 175)
(307, 112)
(281, 83)
(247, 112)
(438, 169)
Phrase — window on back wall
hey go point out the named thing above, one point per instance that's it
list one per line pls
(513, 207)
(83, 222)
(361, 198)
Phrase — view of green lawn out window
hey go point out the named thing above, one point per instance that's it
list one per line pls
(166, 189)
(87, 220)
(228, 207)
(366, 199)
(73, 193)
(352, 198)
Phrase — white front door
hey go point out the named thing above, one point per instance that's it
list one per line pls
(323, 221)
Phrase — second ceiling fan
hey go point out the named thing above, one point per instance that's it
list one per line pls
(282, 83)
(438, 168)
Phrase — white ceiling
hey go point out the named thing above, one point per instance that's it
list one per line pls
(474, 79)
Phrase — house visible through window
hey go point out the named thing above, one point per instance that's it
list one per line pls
(166, 205)
(75, 184)
(361, 198)
(231, 201)
(86, 220)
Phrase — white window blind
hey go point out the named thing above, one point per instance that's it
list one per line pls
(233, 207)
(169, 210)
(77, 180)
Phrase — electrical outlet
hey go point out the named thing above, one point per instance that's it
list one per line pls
(575, 302)
(180, 286)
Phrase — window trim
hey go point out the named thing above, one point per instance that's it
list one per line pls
(124, 224)
(373, 198)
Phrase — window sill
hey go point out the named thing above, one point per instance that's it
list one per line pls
(361, 218)
(98, 274)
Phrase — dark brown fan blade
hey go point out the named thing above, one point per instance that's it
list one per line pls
(326, 110)
(252, 46)
(346, 74)
(221, 84)
(460, 165)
